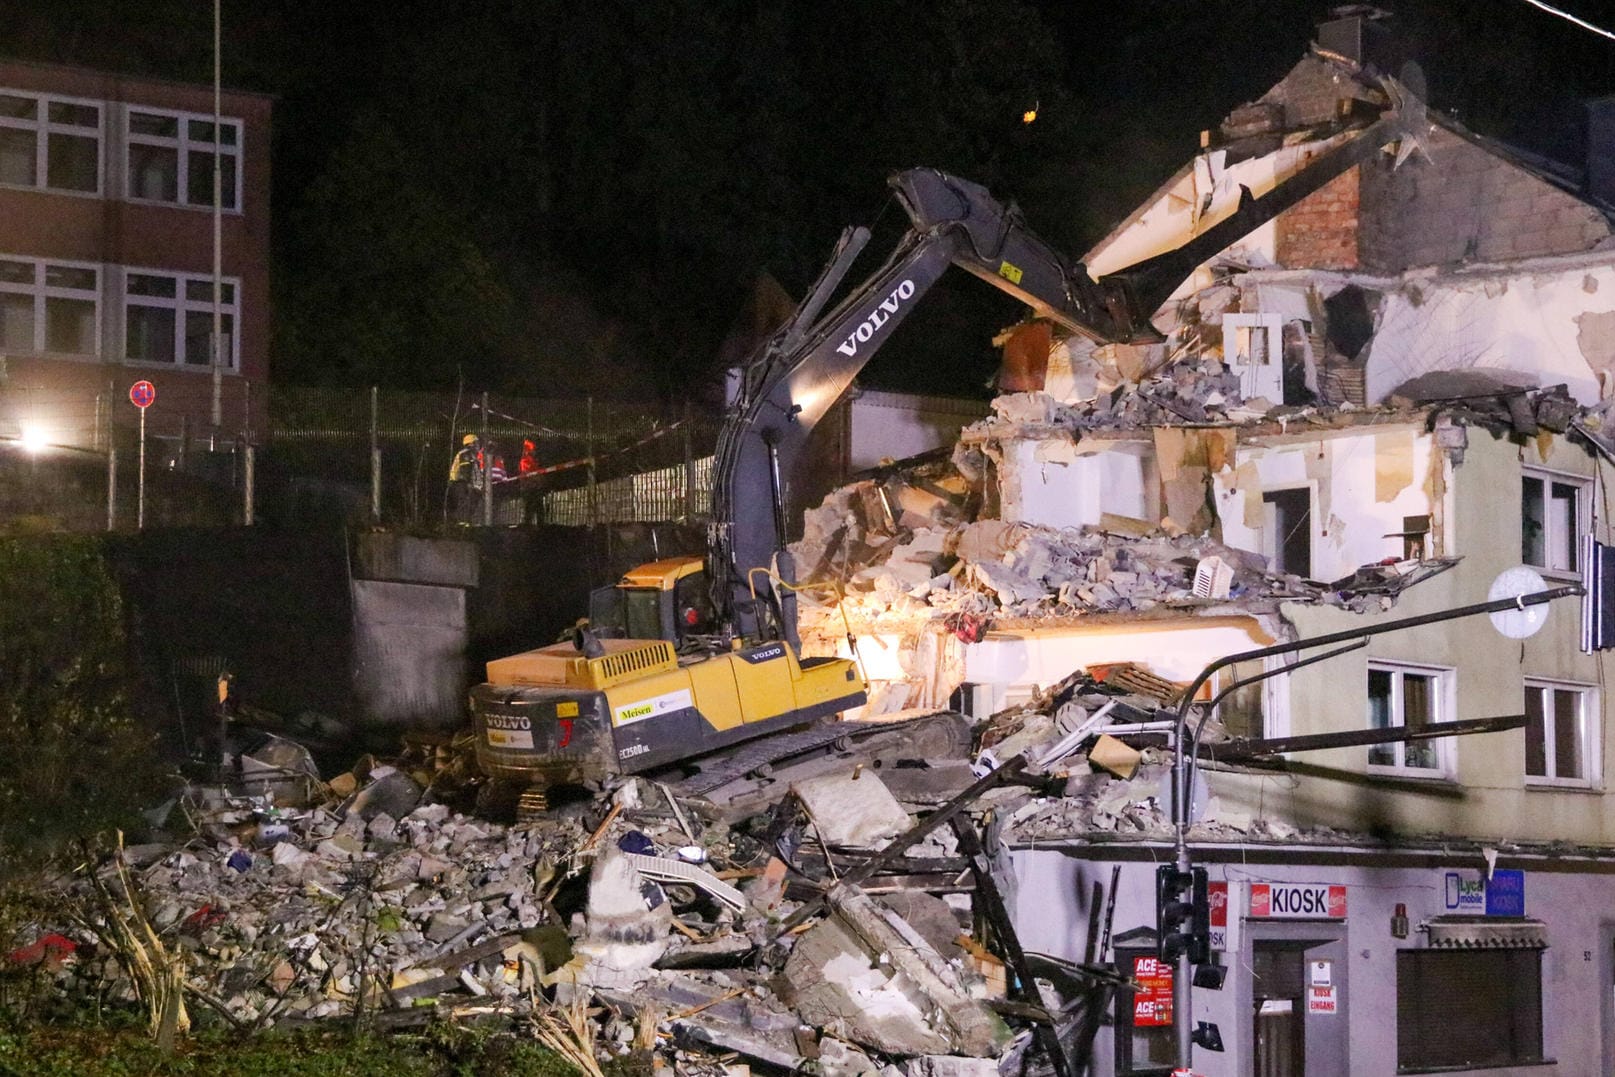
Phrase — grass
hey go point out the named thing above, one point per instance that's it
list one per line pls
(71, 1051)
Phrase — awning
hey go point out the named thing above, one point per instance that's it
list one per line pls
(1487, 933)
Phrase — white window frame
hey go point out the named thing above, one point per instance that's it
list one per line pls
(1442, 699)
(1553, 540)
(42, 128)
(183, 145)
(181, 305)
(39, 291)
(1591, 719)
(1275, 695)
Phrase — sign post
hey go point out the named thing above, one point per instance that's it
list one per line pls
(141, 395)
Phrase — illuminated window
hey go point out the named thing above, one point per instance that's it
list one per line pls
(168, 318)
(50, 142)
(49, 307)
(1408, 697)
(170, 158)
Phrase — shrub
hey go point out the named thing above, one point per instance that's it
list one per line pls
(73, 759)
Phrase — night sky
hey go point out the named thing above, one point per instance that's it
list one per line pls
(557, 198)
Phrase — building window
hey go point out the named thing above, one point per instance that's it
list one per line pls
(1468, 1009)
(50, 142)
(1287, 530)
(1553, 511)
(49, 307)
(1408, 697)
(1560, 733)
(170, 158)
(168, 318)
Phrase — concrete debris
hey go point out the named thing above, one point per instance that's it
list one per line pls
(1016, 575)
(379, 901)
(1112, 755)
(851, 811)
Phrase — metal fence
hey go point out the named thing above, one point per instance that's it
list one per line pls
(69, 459)
(386, 454)
(678, 492)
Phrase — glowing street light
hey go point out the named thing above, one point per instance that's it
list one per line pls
(35, 439)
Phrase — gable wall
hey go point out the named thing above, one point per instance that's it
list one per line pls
(1464, 204)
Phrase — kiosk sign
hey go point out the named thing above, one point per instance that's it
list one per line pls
(1298, 901)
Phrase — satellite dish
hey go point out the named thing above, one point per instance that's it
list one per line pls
(1522, 621)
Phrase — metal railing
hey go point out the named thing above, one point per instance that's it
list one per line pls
(592, 462)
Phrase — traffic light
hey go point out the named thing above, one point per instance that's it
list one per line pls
(1182, 915)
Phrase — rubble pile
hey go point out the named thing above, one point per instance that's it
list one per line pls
(825, 929)
(992, 571)
(287, 913)
(1196, 390)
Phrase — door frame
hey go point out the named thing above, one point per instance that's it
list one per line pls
(1256, 929)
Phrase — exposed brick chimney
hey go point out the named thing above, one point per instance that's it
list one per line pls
(1361, 34)
(1320, 231)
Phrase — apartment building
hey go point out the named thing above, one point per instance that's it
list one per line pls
(1367, 409)
(107, 237)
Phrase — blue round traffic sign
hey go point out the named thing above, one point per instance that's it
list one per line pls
(142, 393)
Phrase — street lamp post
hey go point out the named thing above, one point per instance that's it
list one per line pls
(1182, 766)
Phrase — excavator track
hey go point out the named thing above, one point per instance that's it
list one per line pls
(942, 735)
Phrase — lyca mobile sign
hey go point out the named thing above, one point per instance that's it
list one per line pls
(1298, 901)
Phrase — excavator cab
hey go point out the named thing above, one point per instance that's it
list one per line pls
(668, 599)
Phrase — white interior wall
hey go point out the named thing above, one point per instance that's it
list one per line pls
(1363, 485)
(1176, 651)
(1057, 483)
(895, 426)
(1521, 320)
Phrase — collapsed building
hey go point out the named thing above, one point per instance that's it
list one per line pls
(1367, 409)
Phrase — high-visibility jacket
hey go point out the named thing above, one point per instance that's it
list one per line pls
(465, 465)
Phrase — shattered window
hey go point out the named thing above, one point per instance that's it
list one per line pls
(1558, 746)
(1551, 520)
(1407, 698)
(1241, 712)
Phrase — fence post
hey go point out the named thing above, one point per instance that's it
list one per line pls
(112, 488)
(487, 467)
(689, 467)
(588, 447)
(375, 461)
(247, 485)
(184, 440)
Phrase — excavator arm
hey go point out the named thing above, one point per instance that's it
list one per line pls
(810, 361)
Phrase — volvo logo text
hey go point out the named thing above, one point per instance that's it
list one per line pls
(877, 318)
